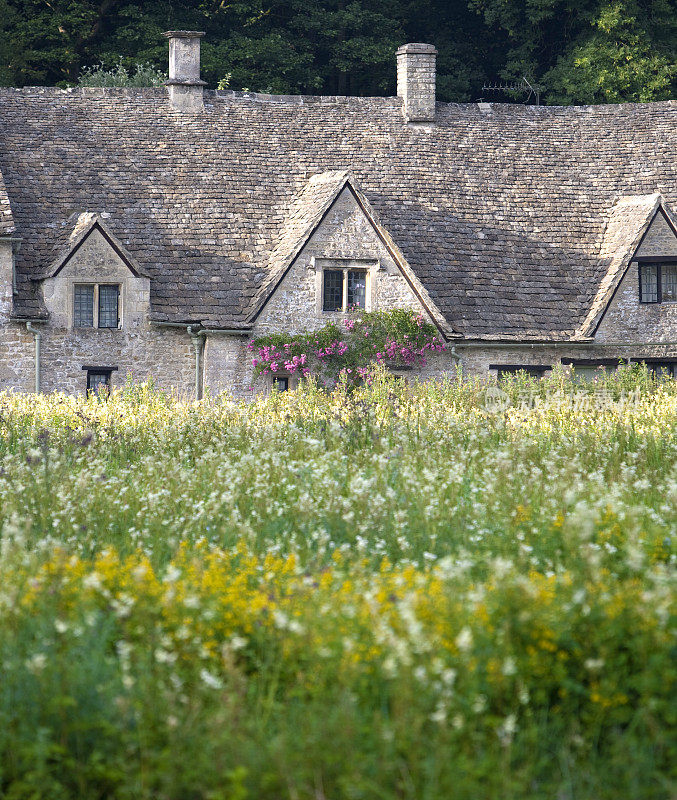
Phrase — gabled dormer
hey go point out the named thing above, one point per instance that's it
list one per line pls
(656, 259)
(94, 283)
(637, 297)
(333, 254)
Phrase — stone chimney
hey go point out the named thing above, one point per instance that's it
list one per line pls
(184, 84)
(416, 81)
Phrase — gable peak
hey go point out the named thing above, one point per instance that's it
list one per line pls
(76, 230)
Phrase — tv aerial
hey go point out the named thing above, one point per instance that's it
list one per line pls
(523, 86)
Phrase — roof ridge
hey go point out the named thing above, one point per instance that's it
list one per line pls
(483, 107)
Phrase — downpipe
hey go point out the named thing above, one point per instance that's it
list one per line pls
(197, 339)
(37, 337)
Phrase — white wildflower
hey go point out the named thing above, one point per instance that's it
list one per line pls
(506, 730)
(280, 619)
(182, 632)
(439, 715)
(36, 663)
(92, 581)
(295, 626)
(139, 572)
(210, 680)
(172, 574)
(164, 656)
(390, 666)
(479, 704)
(464, 640)
(509, 666)
(448, 676)
(237, 642)
(501, 566)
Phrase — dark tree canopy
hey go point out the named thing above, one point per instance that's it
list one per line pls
(579, 51)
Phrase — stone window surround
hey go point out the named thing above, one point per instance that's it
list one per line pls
(369, 265)
(76, 281)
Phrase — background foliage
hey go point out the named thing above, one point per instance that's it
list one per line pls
(581, 51)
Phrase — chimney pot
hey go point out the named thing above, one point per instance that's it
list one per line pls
(416, 81)
(184, 84)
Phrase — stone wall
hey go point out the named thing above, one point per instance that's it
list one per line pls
(164, 355)
(6, 278)
(95, 261)
(228, 366)
(346, 237)
(475, 361)
(16, 345)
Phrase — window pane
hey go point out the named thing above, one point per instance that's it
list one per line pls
(508, 371)
(83, 306)
(98, 382)
(280, 383)
(585, 374)
(108, 306)
(663, 369)
(357, 289)
(669, 281)
(648, 281)
(332, 297)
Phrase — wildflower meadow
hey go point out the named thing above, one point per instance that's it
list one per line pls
(395, 591)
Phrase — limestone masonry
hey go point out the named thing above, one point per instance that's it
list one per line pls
(154, 232)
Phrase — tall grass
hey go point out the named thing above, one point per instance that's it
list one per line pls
(383, 593)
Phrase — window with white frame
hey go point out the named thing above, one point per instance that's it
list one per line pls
(96, 305)
(344, 289)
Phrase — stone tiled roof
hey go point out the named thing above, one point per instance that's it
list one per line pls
(303, 216)
(501, 211)
(629, 221)
(6, 220)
